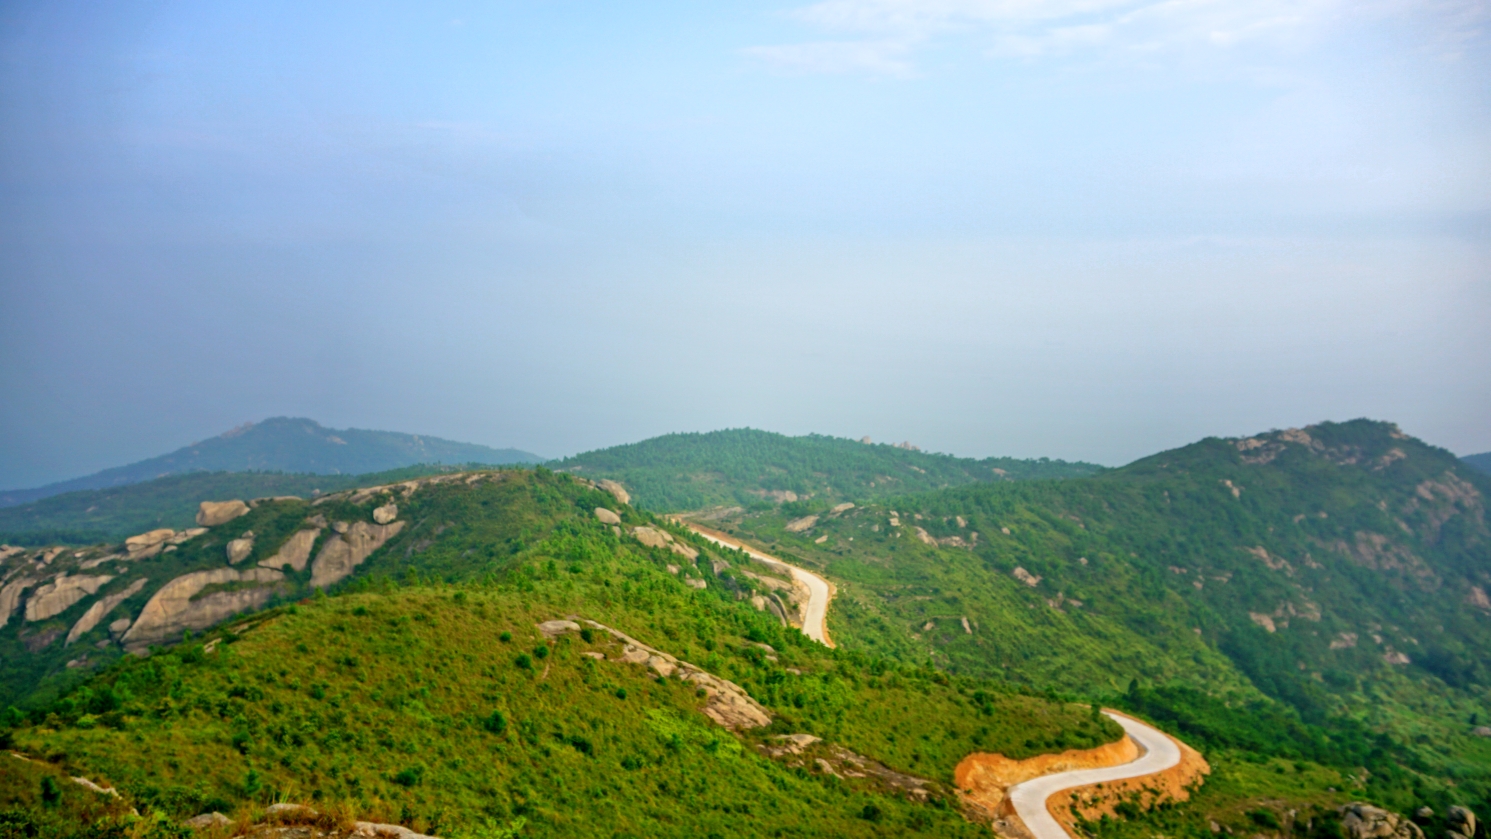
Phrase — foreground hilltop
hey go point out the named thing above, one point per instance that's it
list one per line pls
(757, 469)
(500, 648)
(286, 444)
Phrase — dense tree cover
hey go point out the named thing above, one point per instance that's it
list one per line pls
(1303, 595)
(422, 693)
(753, 468)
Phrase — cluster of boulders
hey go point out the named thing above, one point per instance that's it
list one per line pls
(1365, 821)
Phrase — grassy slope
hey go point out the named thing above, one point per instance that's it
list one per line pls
(110, 515)
(1149, 533)
(375, 701)
(691, 471)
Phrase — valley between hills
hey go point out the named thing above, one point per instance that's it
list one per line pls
(747, 634)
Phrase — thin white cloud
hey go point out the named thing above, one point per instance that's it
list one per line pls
(892, 31)
(874, 57)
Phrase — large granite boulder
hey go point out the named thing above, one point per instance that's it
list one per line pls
(177, 607)
(60, 594)
(606, 516)
(239, 549)
(102, 607)
(386, 513)
(617, 491)
(296, 551)
(214, 513)
(352, 544)
(1461, 821)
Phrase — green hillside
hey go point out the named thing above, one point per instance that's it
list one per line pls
(286, 444)
(1315, 595)
(423, 693)
(754, 469)
(86, 517)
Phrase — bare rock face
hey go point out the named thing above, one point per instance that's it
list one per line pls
(799, 525)
(651, 537)
(119, 627)
(345, 551)
(1026, 577)
(214, 513)
(296, 551)
(207, 821)
(61, 593)
(239, 549)
(10, 597)
(556, 628)
(144, 541)
(1364, 821)
(1461, 821)
(606, 516)
(172, 610)
(616, 490)
(386, 513)
(98, 610)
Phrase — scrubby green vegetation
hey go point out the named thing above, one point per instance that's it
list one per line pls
(1303, 597)
(422, 692)
(754, 468)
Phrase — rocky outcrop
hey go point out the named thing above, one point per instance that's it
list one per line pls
(296, 551)
(207, 821)
(1461, 822)
(651, 537)
(346, 550)
(98, 610)
(1364, 821)
(386, 513)
(799, 525)
(617, 490)
(1026, 577)
(148, 544)
(606, 516)
(176, 608)
(239, 549)
(214, 513)
(60, 594)
(725, 702)
(10, 597)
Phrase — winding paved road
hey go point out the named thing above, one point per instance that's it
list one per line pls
(1029, 798)
(815, 622)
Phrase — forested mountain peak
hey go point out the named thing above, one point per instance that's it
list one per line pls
(757, 469)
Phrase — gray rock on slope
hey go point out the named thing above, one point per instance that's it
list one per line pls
(1364, 821)
(606, 516)
(1462, 822)
(799, 525)
(239, 549)
(386, 513)
(345, 551)
(296, 551)
(98, 610)
(173, 611)
(60, 594)
(617, 490)
(10, 597)
(214, 513)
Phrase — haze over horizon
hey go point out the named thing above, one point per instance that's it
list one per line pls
(1078, 230)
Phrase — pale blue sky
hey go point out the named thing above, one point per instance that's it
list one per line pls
(1076, 228)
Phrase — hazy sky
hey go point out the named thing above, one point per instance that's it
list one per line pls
(1076, 228)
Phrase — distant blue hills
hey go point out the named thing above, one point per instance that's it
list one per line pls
(286, 444)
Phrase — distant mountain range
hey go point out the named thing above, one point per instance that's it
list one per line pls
(1479, 461)
(286, 444)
